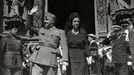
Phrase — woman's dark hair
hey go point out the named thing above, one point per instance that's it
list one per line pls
(68, 25)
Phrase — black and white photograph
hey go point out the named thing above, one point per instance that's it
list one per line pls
(67, 37)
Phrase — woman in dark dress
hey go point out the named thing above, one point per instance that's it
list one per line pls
(78, 46)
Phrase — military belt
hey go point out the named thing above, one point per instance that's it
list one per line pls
(75, 46)
(48, 45)
(13, 52)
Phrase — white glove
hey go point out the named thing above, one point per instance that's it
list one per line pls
(64, 66)
(90, 60)
(33, 10)
(37, 47)
(129, 63)
(100, 52)
(24, 64)
(127, 32)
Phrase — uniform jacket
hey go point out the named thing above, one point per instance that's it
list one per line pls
(49, 41)
(120, 50)
(10, 48)
(131, 41)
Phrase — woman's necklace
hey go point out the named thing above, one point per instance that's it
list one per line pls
(74, 32)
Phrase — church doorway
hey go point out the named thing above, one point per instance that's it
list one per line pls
(63, 8)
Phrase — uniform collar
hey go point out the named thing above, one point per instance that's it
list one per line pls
(52, 28)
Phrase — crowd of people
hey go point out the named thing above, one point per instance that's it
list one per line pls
(70, 51)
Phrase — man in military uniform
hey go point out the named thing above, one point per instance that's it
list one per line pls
(131, 41)
(119, 51)
(10, 48)
(45, 55)
(131, 36)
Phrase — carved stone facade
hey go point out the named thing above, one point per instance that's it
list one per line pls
(1, 14)
(104, 10)
(17, 10)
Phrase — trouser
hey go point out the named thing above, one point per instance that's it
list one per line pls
(12, 71)
(108, 68)
(121, 69)
(43, 70)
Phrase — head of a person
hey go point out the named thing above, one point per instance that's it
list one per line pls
(117, 29)
(73, 21)
(122, 18)
(92, 37)
(125, 25)
(13, 27)
(14, 31)
(49, 20)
